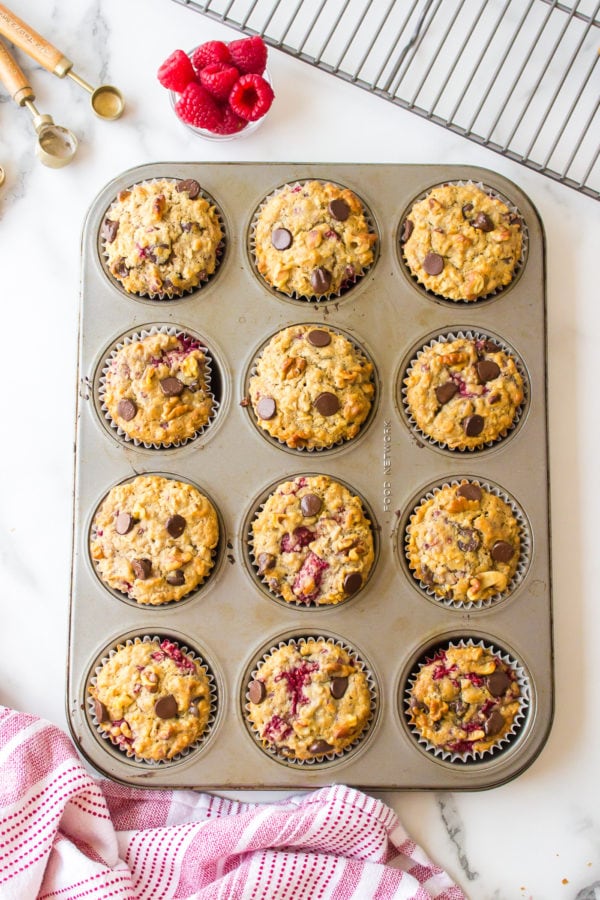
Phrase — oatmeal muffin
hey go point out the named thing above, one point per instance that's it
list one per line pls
(312, 542)
(464, 393)
(312, 239)
(152, 699)
(308, 699)
(311, 388)
(462, 243)
(155, 388)
(464, 543)
(154, 539)
(464, 700)
(161, 237)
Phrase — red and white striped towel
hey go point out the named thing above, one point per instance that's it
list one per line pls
(66, 836)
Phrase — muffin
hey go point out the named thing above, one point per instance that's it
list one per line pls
(312, 542)
(156, 388)
(309, 699)
(464, 543)
(465, 700)
(154, 539)
(161, 237)
(311, 388)
(464, 393)
(312, 239)
(462, 243)
(151, 699)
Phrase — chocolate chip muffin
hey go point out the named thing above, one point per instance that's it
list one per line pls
(154, 539)
(312, 542)
(311, 387)
(156, 388)
(464, 700)
(462, 243)
(312, 239)
(464, 393)
(151, 699)
(309, 699)
(161, 238)
(464, 543)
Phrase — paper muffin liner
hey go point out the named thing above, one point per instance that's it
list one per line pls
(491, 192)
(125, 750)
(470, 335)
(324, 758)
(165, 295)
(346, 286)
(263, 581)
(342, 442)
(134, 337)
(524, 548)
(473, 756)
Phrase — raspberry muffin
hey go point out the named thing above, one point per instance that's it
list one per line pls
(463, 543)
(154, 539)
(312, 239)
(151, 699)
(464, 393)
(462, 243)
(161, 238)
(311, 387)
(308, 699)
(312, 542)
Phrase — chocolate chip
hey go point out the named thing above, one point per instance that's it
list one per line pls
(121, 268)
(171, 386)
(339, 209)
(494, 723)
(318, 338)
(497, 683)
(482, 222)
(265, 562)
(466, 209)
(265, 408)
(319, 747)
(493, 398)
(446, 392)
(281, 238)
(491, 347)
(257, 692)
(166, 707)
(190, 186)
(176, 525)
(352, 582)
(473, 425)
(126, 409)
(469, 491)
(320, 280)
(338, 687)
(310, 505)
(101, 712)
(433, 263)
(109, 230)
(487, 370)
(175, 578)
(141, 568)
(186, 226)
(124, 523)
(327, 404)
(408, 226)
(468, 540)
(502, 551)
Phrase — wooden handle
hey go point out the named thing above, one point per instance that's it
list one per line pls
(32, 43)
(13, 78)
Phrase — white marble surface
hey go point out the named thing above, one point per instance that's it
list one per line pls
(538, 836)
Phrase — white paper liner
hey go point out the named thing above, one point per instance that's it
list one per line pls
(173, 331)
(127, 752)
(313, 298)
(318, 759)
(447, 337)
(165, 296)
(491, 192)
(474, 755)
(524, 548)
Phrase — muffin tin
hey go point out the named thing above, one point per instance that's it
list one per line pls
(391, 623)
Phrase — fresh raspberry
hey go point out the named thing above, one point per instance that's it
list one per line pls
(210, 52)
(249, 55)
(231, 123)
(218, 79)
(251, 97)
(199, 108)
(176, 72)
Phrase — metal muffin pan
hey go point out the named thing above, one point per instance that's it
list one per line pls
(391, 622)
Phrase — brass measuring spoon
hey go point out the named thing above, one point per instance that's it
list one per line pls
(56, 145)
(107, 100)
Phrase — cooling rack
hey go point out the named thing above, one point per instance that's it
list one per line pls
(520, 77)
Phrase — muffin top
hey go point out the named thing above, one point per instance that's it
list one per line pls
(161, 237)
(312, 239)
(311, 388)
(464, 543)
(312, 542)
(464, 393)
(462, 243)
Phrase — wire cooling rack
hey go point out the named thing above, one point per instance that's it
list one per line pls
(521, 77)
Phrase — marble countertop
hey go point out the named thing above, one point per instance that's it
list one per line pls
(537, 836)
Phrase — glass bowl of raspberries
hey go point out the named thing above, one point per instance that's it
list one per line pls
(220, 90)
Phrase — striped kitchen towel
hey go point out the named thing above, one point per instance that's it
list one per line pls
(67, 836)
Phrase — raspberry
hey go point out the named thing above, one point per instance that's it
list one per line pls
(210, 52)
(197, 107)
(218, 79)
(231, 123)
(251, 97)
(176, 72)
(249, 55)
